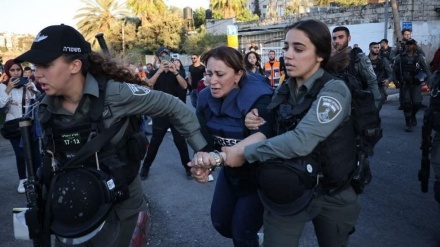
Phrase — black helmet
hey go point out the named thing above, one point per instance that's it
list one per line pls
(286, 187)
(80, 201)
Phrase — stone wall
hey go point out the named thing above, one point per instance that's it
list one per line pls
(409, 10)
(367, 23)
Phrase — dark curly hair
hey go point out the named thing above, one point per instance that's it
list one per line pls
(99, 64)
(249, 66)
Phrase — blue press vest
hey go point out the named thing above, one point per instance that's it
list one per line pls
(225, 122)
(225, 117)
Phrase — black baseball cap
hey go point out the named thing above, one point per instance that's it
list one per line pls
(54, 41)
(411, 41)
(161, 50)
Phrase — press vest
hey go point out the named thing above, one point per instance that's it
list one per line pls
(225, 122)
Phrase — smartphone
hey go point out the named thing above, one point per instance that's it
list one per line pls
(23, 81)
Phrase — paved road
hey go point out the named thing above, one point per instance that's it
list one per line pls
(394, 211)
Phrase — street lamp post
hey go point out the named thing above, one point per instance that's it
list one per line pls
(123, 37)
(386, 19)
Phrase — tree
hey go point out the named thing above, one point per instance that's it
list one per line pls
(257, 9)
(229, 8)
(348, 3)
(199, 17)
(165, 31)
(99, 16)
(396, 19)
(247, 15)
(147, 10)
(203, 41)
(323, 2)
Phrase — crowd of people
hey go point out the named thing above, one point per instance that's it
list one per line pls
(251, 122)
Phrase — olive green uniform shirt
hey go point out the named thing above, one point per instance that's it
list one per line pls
(365, 71)
(124, 99)
(331, 107)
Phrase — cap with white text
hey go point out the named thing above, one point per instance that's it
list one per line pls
(54, 41)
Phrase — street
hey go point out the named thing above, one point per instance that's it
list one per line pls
(394, 210)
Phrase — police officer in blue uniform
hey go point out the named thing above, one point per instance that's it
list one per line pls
(95, 201)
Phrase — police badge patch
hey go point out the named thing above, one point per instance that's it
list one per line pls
(328, 109)
(138, 90)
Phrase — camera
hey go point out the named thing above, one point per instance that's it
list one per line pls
(23, 81)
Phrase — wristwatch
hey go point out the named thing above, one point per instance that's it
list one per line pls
(217, 158)
(176, 74)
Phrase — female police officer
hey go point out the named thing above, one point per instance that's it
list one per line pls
(318, 136)
(72, 76)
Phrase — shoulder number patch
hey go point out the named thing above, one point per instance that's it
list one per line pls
(138, 90)
(328, 109)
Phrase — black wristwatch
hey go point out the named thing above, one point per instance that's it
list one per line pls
(176, 74)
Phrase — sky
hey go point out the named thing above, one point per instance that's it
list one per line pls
(30, 16)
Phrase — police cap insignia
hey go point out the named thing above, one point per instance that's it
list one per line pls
(328, 109)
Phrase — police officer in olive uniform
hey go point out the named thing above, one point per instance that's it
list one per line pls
(95, 202)
(289, 200)
(432, 122)
(382, 69)
(386, 51)
(409, 67)
(360, 65)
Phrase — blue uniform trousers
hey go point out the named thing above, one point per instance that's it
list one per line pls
(239, 218)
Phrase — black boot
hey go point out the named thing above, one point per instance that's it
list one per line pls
(437, 191)
(144, 172)
(408, 127)
(413, 120)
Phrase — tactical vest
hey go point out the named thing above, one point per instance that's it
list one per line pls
(408, 67)
(385, 53)
(225, 122)
(337, 154)
(378, 67)
(120, 158)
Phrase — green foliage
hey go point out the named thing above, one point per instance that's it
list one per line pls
(347, 3)
(199, 17)
(99, 16)
(342, 3)
(164, 31)
(25, 42)
(229, 8)
(247, 15)
(201, 42)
